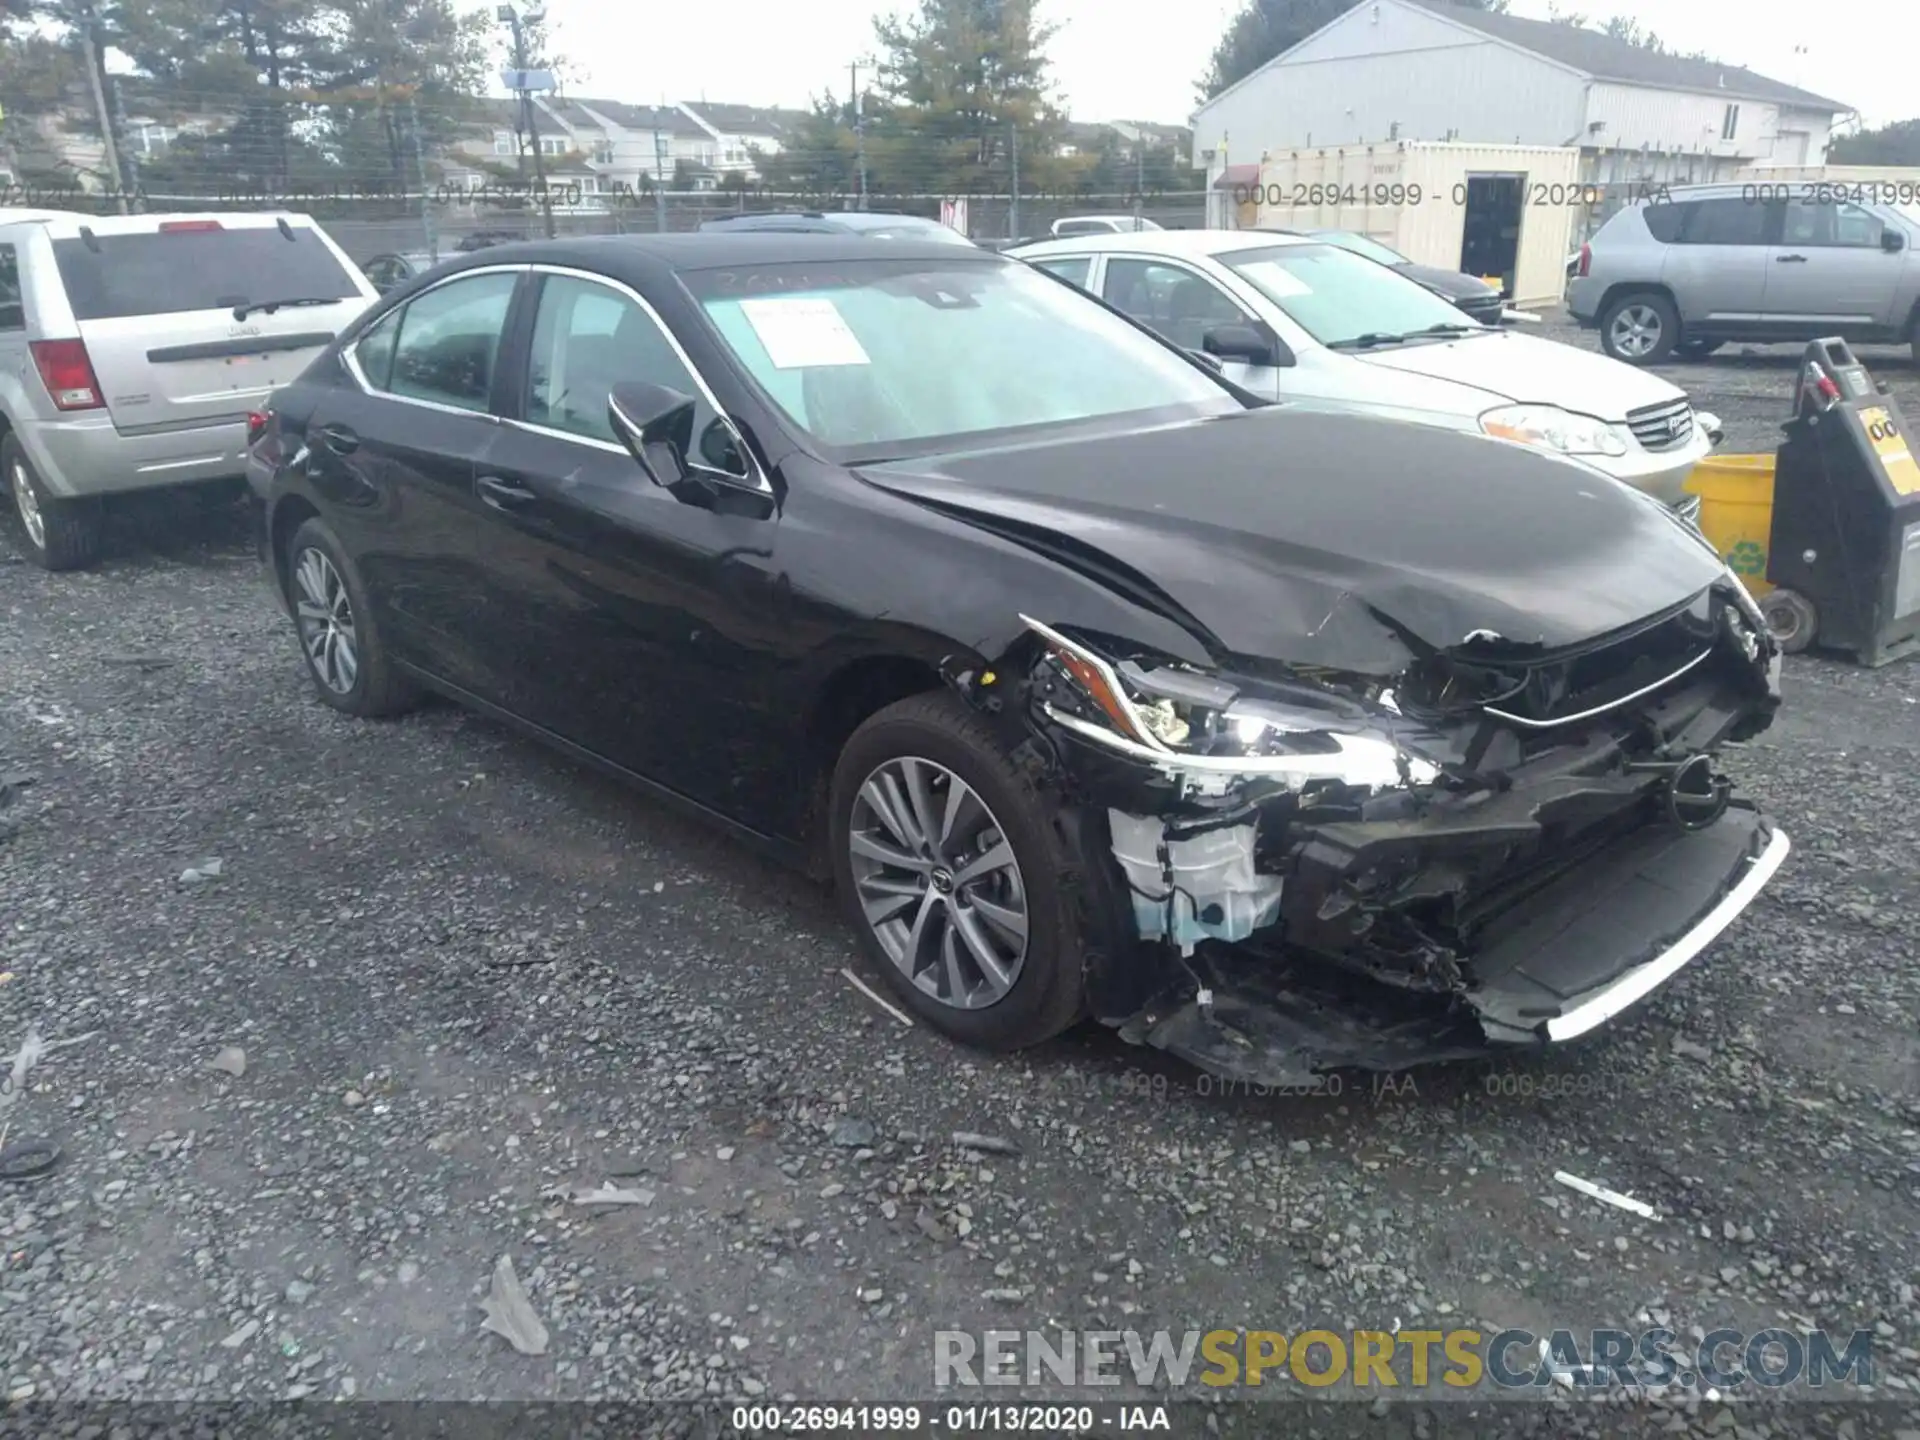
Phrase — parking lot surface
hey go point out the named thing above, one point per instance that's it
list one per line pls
(470, 981)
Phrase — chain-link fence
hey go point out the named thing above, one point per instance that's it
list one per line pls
(407, 170)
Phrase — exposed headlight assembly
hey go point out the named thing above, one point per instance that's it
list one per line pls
(1547, 427)
(1184, 721)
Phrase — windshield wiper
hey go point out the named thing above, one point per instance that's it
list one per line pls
(248, 307)
(1378, 337)
(1366, 341)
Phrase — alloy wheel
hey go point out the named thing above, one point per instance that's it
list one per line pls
(1636, 330)
(28, 504)
(938, 882)
(325, 618)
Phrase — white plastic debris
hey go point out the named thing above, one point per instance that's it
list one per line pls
(24, 1059)
(886, 1005)
(231, 1059)
(208, 869)
(611, 1194)
(1611, 1197)
(510, 1314)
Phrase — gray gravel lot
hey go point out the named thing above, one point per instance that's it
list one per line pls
(466, 975)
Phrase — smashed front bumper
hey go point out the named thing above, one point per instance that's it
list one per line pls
(1412, 886)
(1564, 962)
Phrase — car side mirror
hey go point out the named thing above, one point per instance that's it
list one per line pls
(1252, 345)
(656, 425)
(1892, 241)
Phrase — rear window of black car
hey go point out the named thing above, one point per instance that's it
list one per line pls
(168, 273)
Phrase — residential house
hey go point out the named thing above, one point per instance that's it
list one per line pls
(737, 131)
(1426, 70)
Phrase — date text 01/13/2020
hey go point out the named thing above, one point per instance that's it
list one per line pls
(863, 1419)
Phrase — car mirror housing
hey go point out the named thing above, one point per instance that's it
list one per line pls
(656, 425)
(1253, 345)
(1892, 241)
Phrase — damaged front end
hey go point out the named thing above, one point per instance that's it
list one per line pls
(1500, 845)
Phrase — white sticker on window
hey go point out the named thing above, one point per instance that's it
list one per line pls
(802, 332)
(1276, 279)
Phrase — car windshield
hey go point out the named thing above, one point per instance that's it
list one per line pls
(1343, 301)
(1361, 245)
(900, 357)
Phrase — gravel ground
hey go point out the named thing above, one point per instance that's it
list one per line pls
(470, 980)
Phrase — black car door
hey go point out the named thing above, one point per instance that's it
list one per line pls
(649, 615)
(396, 452)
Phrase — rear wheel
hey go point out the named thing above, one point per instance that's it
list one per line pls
(950, 868)
(1639, 328)
(345, 653)
(60, 534)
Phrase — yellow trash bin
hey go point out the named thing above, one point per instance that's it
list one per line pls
(1736, 512)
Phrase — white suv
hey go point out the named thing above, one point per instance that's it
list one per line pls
(133, 349)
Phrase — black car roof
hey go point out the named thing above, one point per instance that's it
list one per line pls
(639, 259)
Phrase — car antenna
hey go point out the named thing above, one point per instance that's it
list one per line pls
(89, 239)
(285, 228)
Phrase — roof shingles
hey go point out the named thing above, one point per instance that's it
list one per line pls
(1606, 58)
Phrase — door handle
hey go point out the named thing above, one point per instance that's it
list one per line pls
(1789, 259)
(339, 439)
(504, 494)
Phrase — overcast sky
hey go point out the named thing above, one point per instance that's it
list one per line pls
(1137, 59)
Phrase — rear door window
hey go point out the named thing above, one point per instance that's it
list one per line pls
(1072, 269)
(449, 341)
(171, 272)
(1732, 221)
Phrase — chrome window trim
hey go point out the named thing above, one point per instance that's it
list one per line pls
(755, 479)
(349, 354)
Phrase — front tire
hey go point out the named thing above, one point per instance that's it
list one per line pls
(60, 534)
(1639, 328)
(952, 871)
(340, 639)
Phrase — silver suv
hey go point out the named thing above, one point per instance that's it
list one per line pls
(134, 348)
(1695, 268)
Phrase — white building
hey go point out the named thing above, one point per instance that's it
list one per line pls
(1424, 70)
(606, 147)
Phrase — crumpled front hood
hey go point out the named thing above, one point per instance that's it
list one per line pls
(1327, 539)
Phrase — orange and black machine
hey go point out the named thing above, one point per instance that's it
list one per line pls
(1845, 550)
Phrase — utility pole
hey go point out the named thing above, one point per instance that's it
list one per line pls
(859, 125)
(1139, 176)
(510, 17)
(659, 176)
(1013, 165)
(109, 151)
(420, 166)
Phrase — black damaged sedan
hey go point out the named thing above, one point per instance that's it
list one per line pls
(1282, 740)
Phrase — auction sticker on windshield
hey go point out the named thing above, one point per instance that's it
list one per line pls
(803, 332)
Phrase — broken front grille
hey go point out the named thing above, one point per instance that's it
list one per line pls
(1662, 426)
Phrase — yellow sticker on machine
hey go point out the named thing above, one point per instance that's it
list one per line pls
(1891, 446)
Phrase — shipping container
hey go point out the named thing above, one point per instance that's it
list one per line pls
(1505, 212)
